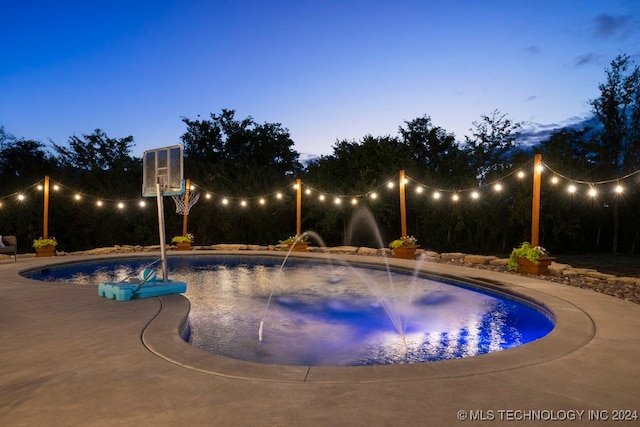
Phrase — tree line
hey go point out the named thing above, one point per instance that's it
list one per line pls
(239, 157)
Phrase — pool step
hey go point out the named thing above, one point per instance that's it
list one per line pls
(124, 291)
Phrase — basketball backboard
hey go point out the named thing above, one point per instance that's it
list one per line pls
(163, 165)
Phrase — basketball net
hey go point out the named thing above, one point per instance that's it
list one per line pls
(181, 207)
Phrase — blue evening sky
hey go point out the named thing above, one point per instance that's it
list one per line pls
(326, 70)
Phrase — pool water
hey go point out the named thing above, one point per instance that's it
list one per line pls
(319, 313)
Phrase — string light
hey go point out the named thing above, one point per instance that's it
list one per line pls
(142, 203)
(573, 187)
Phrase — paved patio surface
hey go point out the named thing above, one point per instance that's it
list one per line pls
(71, 358)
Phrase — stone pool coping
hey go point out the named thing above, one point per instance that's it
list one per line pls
(163, 335)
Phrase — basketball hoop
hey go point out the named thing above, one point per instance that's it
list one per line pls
(181, 207)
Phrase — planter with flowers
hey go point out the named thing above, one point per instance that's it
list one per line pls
(297, 243)
(45, 247)
(529, 259)
(404, 247)
(183, 243)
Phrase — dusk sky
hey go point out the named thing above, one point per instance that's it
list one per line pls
(325, 70)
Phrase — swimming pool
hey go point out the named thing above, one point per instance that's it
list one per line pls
(329, 314)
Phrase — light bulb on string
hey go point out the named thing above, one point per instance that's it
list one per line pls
(521, 174)
(208, 196)
(279, 196)
(455, 197)
(243, 203)
(419, 189)
(571, 189)
(436, 195)
(497, 187)
(321, 197)
(225, 201)
(592, 192)
(475, 195)
(373, 195)
(142, 203)
(354, 201)
(77, 197)
(120, 205)
(554, 180)
(262, 201)
(389, 184)
(99, 203)
(619, 189)
(21, 197)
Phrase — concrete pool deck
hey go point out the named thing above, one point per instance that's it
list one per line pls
(72, 358)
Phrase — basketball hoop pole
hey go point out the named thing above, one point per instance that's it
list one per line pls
(163, 245)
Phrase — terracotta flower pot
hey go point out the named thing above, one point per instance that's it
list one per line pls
(183, 246)
(299, 247)
(405, 252)
(48, 250)
(527, 267)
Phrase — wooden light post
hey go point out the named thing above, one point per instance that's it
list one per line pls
(535, 204)
(186, 204)
(45, 222)
(298, 207)
(403, 206)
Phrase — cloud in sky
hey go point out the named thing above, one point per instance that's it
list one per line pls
(588, 59)
(609, 26)
(534, 50)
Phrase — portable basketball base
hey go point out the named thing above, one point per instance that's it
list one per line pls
(125, 291)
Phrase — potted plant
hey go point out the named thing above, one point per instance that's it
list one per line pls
(183, 243)
(404, 247)
(529, 259)
(45, 247)
(297, 243)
